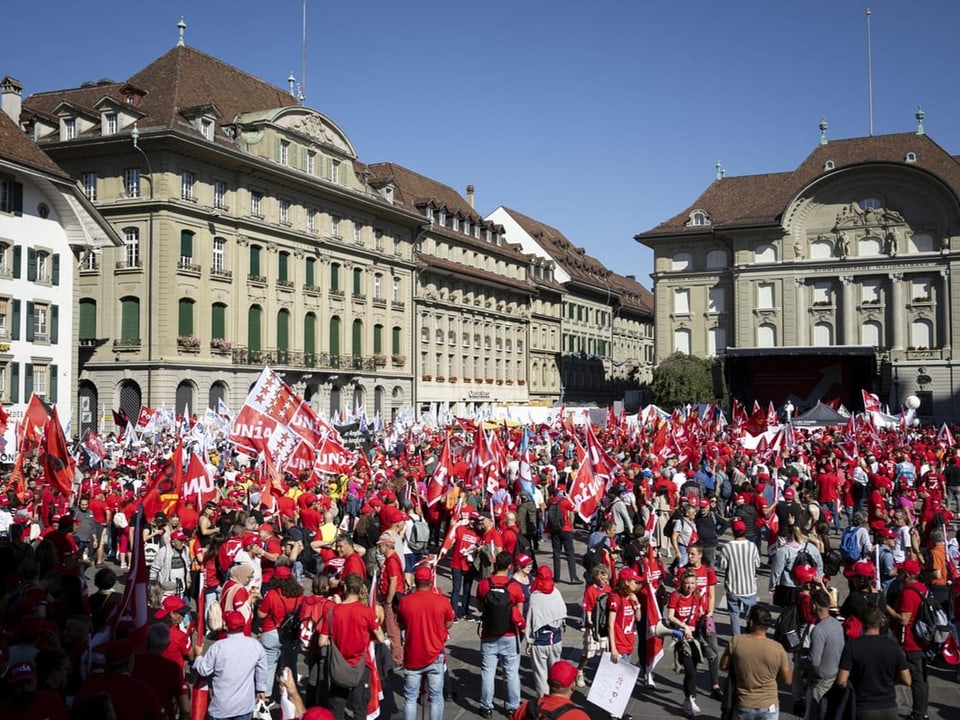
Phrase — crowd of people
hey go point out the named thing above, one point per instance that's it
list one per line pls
(312, 604)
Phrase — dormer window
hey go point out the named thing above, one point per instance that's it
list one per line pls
(429, 213)
(870, 203)
(476, 231)
(206, 128)
(698, 218)
(456, 223)
(489, 235)
(69, 128)
(442, 219)
(110, 124)
(828, 165)
(911, 157)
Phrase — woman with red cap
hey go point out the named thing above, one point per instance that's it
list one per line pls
(280, 607)
(623, 608)
(684, 610)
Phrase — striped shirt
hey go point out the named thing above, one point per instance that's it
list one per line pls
(741, 560)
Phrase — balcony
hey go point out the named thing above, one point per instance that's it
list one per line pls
(285, 285)
(218, 273)
(130, 265)
(297, 359)
(188, 343)
(87, 343)
(260, 280)
(187, 265)
(397, 305)
(312, 289)
(219, 346)
(336, 294)
(126, 345)
(379, 302)
(358, 297)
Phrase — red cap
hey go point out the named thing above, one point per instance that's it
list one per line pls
(789, 493)
(266, 527)
(704, 502)
(628, 573)
(887, 533)
(423, 573)
(317, 713)
(804, 573)
(283, 572)
(910, 567)
(178, 535)
(739, 527)
(562, 674)
(234, 621)
(860, 569)
(523, 560)
(249, 540)
(170, 604)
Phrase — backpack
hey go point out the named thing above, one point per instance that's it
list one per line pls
(850, 545)
(787, 631)
(535, 712)
(497, 617)
(289, 627)
(419, 536)
(593, 556)
(600, 617)
(802, 557)
(120, 521)
(308, 556)
(555, 519)
(831, 563)
(726, 487)
(523, 546)
(930, 626)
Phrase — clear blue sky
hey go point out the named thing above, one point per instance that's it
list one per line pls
(599, 117)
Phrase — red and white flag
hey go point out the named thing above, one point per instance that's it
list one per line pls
(59, 467)
(871, 403)
(441, 480)
(129, 618)
(198, 486)
(654, 644)
(945, 436)
(333, 457)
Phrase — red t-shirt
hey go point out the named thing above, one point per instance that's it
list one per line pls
(287, 505)
(275, 605)
(550, 703)
(910, 598)
(516, 595)
(685, 607)
(311, 519)
(625, 624)
(464, 546)
(189, 518)
(98, 508)
(590, 596)
(231, 599)
(424, 616)
(828, 487)
(164, 677)
(492, 537)
(179, 647)
(354, 625)
(353, 563)
(706, 578)
(392, 568)
(228, 551)
(509, 536)
(270, 545)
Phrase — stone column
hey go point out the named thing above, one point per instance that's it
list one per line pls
(847, 310)
(945, 340)
(802, 317)
(896, 317)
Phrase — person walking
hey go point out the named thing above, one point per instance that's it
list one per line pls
(390, 586)
(903, 616)
(236, 668)
(426, 617)
(684, 611)
(873, 664)
(559, 522)
(820, 665)
(595, 642)
(283, 597)
(501, 623)
(556, 703)
(741, 560)
(756, 663)
(546, 614)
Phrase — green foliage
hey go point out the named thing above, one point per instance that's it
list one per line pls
(682, 379)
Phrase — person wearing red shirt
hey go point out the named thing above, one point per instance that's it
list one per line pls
(557, 703)
(352, 560)
(272, 549)
(829, 486)
(162, 674)
(229, 549)
(491, 543)
(562, 540)
(101, 516)
(390, 586)
(499, 634)
(465, 543)
(285, 595)
(237, 597)
(510, 533)
(684, 610)
(180, 647)
(425, 617)
(706, 590)
(623, 607)
(593, 643)
(310, 517)
(903, 616)
(350, 625)
(189, 517)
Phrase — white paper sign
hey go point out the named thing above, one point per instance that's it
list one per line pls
(613, 685)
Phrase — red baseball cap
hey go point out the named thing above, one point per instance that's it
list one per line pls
(562, 674)
(628, 573)
(234, 621)
(170, 604)
(910, 567)
(423, 573)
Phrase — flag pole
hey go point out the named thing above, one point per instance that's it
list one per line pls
(869, 78)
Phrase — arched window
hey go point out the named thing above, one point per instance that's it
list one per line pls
(716, 259)
(283, 267)
(395, 340)
(254, 326)
(823, 334)
(283, 337)
(334, 337)
(335, 402)
(921, 243)
(921, 334)
(130, 398)
(186, 248)
(821, 250)
(185, 318)
(185, 404)
(871, 334)
(681, 341)
(716, 341)
(869, 246)
(379, 393)
(130, 322)
(335, 277)
(765, 253)
(378, 339)
(357, 344)
(681, 261)
(218, 393)
(218, 321)
(256, 271)
(767, 335)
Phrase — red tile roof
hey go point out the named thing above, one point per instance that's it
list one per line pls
(16, 147)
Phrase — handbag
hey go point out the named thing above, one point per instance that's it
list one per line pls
(340, 671)
(262, 711)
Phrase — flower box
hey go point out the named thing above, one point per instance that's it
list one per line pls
(489, 381)
(379, 360)
(440, 378)
(508, 382)
(521, 382)
(188, 342)
(427, 378)
(398, 359)
(220, 345)
(452, 378)
(499, 382)
(468, 380)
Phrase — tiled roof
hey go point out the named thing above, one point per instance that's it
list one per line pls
(761, 199)
(460, 269)
(582, 267)
(16, 147)
(181, 79)
(632, 294)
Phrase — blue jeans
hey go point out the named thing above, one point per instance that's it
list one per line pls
(271, 646)
(462, 587)
(770, 713)
(245, 716)
(493, 650)
(734, 605)
(412, 680)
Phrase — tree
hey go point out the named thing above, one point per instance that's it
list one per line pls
(682, 379)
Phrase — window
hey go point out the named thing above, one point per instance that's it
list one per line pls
(218, 321)
(283, 267)
(395, 293)
(456, 222)
(186, 248)
(681, 261)
(111, 128)
(476, 230)
(43, 267)
(921, 289)
(716, 300)
(716, 259)
(255, 252)
(396, 244)
(283, 336)
(310, 336)
(765, 296)
(206, 128)
(284, 206)
(219, 195)
(311, 162)
(335, 277)
(921, 243)
(378, 339)
(699, 218)
(254, 328)
(130, 320)
(823, 293)
(131, 182)
(335, 171)
(357, 233)
(681, 302)
(870, 291)
(871, 203)
(40, 380)
(767, 335)
(821, 250)
(869, 246)
(219, 245)
(11, 197)
(4, 318)
(681, 341)
(921, 334)
(309, 268)
(716, 341)
(185, 317)
(378, 240)
(871, 334)
(822, 334)
(311, 220)
(256, 203)
(378, 286)
(89, 182)
(284, 154)
(395, 340)
(357, 281)
(439, 336)
(334, 336)
(765, 254)
(69, 128)
(335, 226)
(131, 247)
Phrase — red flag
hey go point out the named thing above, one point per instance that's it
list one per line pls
(440, 481)
(31, 426)
(58, 466)
(146, 417)
(94, 446)
(3, 421)
(592, 478)
(757, 424)
(654, 643)
(163, 494)
(451, 532)
(333, 457)
(772, 417)
(945, 436)
(120, 418)
(269, 481)
(197, 486)
(833, 404)
(17, 482)
(871, 403)
(129, 618)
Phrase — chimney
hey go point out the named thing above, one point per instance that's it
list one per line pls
(632, 277)
(10, 92)
(469, 194)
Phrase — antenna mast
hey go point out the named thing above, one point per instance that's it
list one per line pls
(303, 56)
(869, 77)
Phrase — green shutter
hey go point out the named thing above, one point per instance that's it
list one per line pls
(185, 318)
(27, 381)
(17, 198)
(56, 268)
(15, 382)
(28, 335)
(283, 330)
(186, 244)
(31, 264)
(15, 321)
(54, 324)
(357, 281)
(282, 267)
(309, 271)
(334, 277)
(130, 319)
(254, 259)
(395, 349)
(17, 260)
(378, 339)
(357, 338)
(88, 320)
(310, 334)
(218, 321)
(253, 327)
(334, 336)
(52, 389)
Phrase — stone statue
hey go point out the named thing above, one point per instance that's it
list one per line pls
(842, 247)
(890, 243)
(797, 251)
